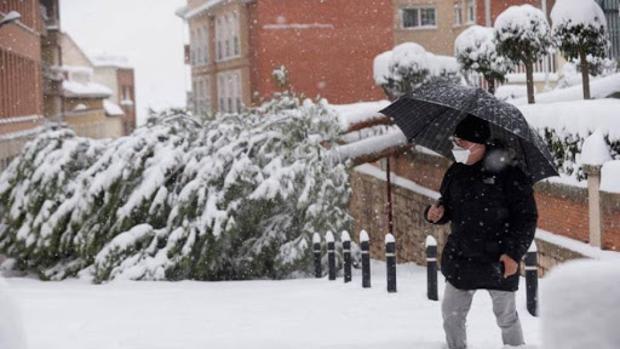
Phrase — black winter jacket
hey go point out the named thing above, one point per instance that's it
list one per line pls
(491, 213)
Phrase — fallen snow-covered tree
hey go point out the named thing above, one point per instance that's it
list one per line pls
(234, 198)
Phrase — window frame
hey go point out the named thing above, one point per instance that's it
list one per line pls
(458, 14)
(227, 37)
(418, 18)
(470, 5)
(229, 89)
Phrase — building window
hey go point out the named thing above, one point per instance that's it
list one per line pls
(235, 34)
(471, 11)
(127, 98)
(204, 44)
(458, 14)
(227, 34)
(418, 17)
(427, 16)
(201, 96)
(218, 38)
(229, 92)
(193, 46)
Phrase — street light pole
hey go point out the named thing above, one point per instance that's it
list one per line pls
(10, 17)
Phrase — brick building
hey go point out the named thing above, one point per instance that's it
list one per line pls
(236, 44)
(88, 105)
(435, 24)
(115, 73)
(29, 51)
(326, 46)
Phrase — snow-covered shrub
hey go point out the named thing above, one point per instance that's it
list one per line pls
(580, 31)
(522, 35)
(566, 150)
(280, 77)
(234, 198)
(408, 65)
(475, 50)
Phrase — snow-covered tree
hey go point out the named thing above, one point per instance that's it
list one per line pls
(580, 31)
(280, 77)
(408, 65)
(235, 198)
(475, 50)
(523, 34)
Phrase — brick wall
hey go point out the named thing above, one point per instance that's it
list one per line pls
(327, 46)
(563, 210)
(497, 7)
(21, 92)
(610, 211)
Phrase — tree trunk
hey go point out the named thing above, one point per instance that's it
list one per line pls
(491, 85)
(529, 80)
(585, 74)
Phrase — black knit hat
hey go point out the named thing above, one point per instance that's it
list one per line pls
(473, 129)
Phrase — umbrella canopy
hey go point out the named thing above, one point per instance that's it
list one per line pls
(429, 115)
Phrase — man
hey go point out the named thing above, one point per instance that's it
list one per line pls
(492, 211)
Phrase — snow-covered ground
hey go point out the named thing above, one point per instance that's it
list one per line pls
(302, 313)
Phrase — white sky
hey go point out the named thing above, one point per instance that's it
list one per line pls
(145, 31)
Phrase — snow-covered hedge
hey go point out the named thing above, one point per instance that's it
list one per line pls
(566, 125)
(234, 198)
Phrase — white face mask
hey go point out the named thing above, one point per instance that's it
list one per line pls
(461, 155)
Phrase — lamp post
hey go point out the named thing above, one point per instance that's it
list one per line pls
(10, 17)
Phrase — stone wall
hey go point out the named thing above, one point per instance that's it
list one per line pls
(368, 208)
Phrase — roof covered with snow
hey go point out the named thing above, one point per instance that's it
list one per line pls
(112, 109)
(109, 60)
(85, 90)
(189, 13)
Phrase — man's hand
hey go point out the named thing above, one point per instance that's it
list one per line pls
(435, 213)
(510, 265)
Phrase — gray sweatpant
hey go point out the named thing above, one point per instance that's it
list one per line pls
(456, 304)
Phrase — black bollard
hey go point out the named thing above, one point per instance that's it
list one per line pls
(431, 268)
(316, 243)
(531, 279)
(331, 255)
(365, 246)
(390, 259)
(346, 252)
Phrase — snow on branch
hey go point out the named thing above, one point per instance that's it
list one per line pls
(372, 148)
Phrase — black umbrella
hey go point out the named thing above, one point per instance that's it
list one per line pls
(429, 115)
